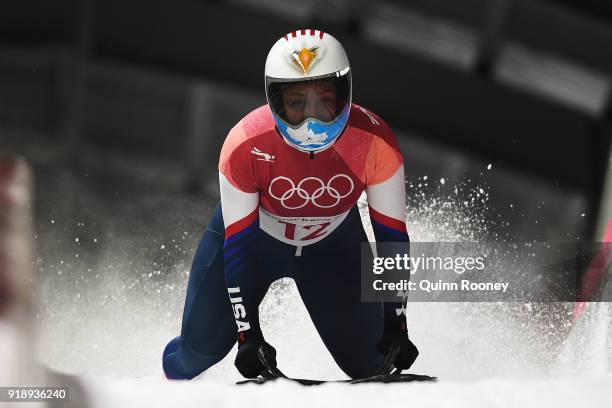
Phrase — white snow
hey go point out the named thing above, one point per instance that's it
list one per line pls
(561, 392)
(486, 355)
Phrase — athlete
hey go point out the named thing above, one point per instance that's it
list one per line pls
(290, 175)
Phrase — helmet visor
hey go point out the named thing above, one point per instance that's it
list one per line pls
(321, 98)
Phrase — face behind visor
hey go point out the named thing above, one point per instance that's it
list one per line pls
(310, 114)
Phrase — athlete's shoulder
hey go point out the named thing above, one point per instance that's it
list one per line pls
(373, 125)
(368, 121)
(384, 156)
(256, 125)
(257, 122)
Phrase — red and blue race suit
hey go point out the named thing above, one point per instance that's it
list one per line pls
(286, 213)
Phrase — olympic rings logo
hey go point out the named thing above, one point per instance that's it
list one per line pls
(332, 189)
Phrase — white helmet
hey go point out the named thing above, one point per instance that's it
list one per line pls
(308, 87)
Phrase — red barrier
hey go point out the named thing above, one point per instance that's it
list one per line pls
(15, 234)
(595, 274)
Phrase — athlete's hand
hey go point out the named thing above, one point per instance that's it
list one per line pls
(396, 335)
(247, 360)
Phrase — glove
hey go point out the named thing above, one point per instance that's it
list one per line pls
(247, 360)
(395, 334)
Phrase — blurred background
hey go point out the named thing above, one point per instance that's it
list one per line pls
(502, 109)
(142, 93)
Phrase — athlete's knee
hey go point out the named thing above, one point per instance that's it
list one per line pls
(180, 362)
(360, 371)
(360, 365)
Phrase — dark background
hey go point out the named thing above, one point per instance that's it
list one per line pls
(122, 106)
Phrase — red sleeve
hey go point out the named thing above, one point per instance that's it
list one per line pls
(235, 160)
(385, 157)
